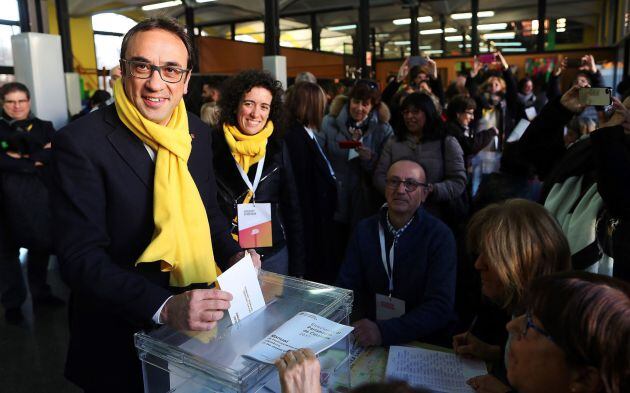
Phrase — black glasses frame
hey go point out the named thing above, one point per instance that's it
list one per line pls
(130, 63)
(410, 185)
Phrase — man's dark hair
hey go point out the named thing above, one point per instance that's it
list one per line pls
(235, 88)
(13, 87)
(160, 23)
(459, 104)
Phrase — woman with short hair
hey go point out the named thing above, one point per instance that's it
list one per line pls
(515, 242)
(253, 169)
(573, 336)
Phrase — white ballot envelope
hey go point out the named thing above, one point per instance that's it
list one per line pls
(241, 280)
(304, 330)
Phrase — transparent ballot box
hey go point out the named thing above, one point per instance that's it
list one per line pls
(191, 362)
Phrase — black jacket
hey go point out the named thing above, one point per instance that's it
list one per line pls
(603, 158)
(102, 202)
(317, 192)
(26, 137)
(277, 186)
(471, 144)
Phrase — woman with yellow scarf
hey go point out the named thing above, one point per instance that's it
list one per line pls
(257, 191)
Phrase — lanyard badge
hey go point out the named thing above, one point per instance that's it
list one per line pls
(254, 219)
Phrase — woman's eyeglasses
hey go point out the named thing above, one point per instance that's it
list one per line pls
(529, 324)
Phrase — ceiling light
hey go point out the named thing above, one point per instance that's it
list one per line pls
(468, 15)
(402, 42)
(492, 26)
(164, 4)
(454, 38)
(438, 31)
(343, 27)
(406, 21)
(467, 45)
(424, 47)
(204, 1)
(514, 50)
(504, 44)
(561, 29)
(497, 36)
(433, 51)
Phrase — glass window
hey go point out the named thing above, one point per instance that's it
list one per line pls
(112, 23)
(6, 55)
(10, 10)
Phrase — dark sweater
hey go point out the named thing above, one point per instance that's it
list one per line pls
(424, 277)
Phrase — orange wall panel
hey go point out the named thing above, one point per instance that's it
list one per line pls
(221, 56)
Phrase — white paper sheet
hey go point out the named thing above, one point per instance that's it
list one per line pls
(433, 370)
(518, 131)
(241, 280)
(304, 330)
(530, 113)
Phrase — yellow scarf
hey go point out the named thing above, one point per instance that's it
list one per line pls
(247, 149)
(181, 240)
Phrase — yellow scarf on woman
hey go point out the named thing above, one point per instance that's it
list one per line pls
(181, 240)
(247, 149)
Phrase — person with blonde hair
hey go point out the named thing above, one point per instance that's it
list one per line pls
(516, 241)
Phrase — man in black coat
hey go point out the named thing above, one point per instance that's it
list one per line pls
(24, 222)
(103, 202)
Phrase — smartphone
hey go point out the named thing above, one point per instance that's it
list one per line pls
(349, 144)
(574, 63)
(601, 96)
(487, 58)
(417, 61)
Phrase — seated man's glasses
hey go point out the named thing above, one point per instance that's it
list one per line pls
(144, 70)
(410, 185)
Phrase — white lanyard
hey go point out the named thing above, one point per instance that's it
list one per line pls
(312, 135)
(390, 271)
(259, 171)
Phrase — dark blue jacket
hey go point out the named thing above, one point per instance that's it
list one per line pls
(424, 276)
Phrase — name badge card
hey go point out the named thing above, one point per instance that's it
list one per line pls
(389, 307)
(254, 225)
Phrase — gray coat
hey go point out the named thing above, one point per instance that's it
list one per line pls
(447, 174)
(349, 173)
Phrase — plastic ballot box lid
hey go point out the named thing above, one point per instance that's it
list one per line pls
(177, 361)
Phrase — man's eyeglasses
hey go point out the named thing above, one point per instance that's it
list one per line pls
(410, 185)
(15, 102)
(529, 324)
(144, 70)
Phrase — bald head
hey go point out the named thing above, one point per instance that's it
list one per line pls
(406, 187)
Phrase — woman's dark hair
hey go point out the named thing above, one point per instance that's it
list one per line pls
(160, 23)
(306, 104)
(588, 317)
(12, 87)
(366, 91)
(433, 126)
(459, 104)
(235, 88)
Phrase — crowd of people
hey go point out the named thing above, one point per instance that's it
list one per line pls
(369, 189)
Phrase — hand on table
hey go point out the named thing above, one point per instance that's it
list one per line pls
(199, 309)
(488, 384)
(367, 333)
(299, 372)
(469, 346)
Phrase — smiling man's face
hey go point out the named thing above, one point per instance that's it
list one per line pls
(155, 99)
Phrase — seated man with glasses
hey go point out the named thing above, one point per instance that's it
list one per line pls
(137, 228)
(401, 266)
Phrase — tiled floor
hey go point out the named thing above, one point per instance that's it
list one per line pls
(32, 354)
